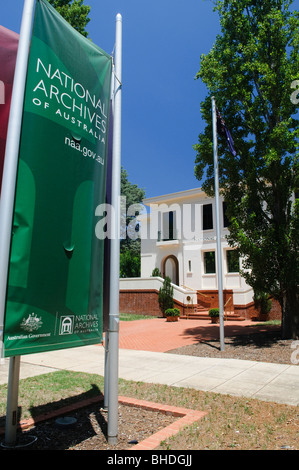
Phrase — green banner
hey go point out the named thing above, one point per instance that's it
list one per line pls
(55, 285)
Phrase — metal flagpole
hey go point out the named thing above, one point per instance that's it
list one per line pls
(7, 200)
(106, 369)
(218, 235)
(115, 245)
(107, 247)
(12, 401)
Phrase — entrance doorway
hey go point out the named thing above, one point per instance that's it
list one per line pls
(170, 268)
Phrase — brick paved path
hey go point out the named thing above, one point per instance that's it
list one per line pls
(160, 336)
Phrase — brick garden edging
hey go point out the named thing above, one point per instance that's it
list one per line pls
(186, 418)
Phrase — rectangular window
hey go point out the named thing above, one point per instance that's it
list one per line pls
(168, 232)
(207, 216)
(171, 223)
(232, 260)
(209, 262)
(225, 218)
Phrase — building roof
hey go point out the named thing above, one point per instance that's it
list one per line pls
(181, 195)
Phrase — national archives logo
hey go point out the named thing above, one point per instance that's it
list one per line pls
(66, 326)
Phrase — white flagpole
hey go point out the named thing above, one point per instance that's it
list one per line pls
(218, 234)
(7, 201)
(115, 245)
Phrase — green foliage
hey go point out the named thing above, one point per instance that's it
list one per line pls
(262, 302)
(129, 264)
(74, 12)
(132, 192)
(130, 241)
(249, 71)
(166, 295)
(132, 197)
(214, 312)
(172, 312)
(156, 272)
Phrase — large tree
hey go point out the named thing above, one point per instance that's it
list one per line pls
(249, 71)
(130, 244)
(74, 12)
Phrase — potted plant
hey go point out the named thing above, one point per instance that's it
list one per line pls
(172, 314)
(214, 314)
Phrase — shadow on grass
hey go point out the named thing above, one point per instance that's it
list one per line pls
(49, 408)
(51, 434)
(255, 340)
(258, 336)
(259, 340)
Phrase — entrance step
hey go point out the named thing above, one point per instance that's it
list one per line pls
(204, 315)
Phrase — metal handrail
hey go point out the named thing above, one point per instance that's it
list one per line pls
(225, 305)
(200, 293)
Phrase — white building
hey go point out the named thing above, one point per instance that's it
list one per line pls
(179, 239)
(178, 236)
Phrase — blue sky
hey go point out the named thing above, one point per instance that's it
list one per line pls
(162, 44)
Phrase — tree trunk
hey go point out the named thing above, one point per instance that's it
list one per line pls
(290, 313)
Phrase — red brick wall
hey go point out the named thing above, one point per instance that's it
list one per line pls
(146, 302)
(275, 310)
(210, 298)
(251, 313)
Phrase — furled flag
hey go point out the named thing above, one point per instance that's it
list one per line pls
(223, 130)
(9, 41)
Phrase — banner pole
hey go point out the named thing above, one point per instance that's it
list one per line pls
(218, 235)
(7, 203)
(115, 245)
(12, 401)
(12, 150)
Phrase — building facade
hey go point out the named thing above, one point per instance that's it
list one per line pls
(178, 239)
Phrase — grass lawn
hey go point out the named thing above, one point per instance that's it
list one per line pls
(132, 317)
(231, 422)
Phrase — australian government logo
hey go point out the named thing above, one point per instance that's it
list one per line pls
(31, 323)
(30, 327)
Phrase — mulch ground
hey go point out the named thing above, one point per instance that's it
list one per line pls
(264, 346)
(89, 430)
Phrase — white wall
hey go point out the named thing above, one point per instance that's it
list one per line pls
(155, 283)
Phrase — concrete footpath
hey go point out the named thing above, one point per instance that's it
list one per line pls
(265, 381)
